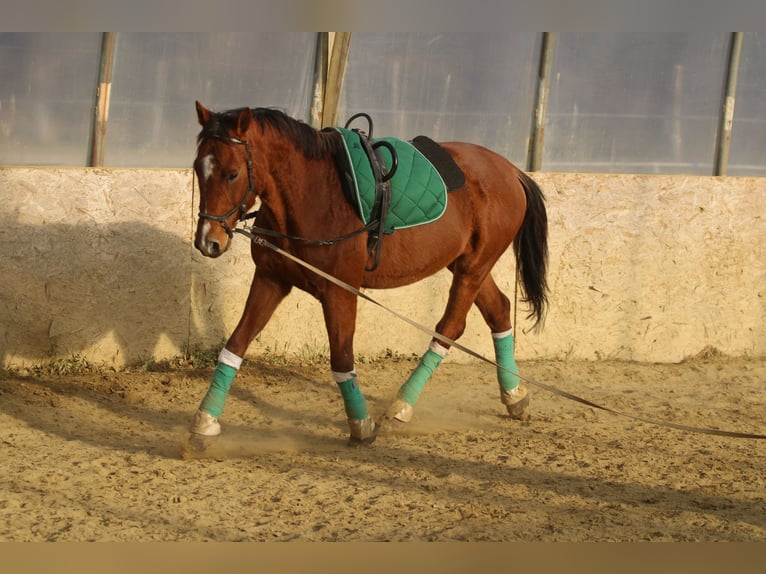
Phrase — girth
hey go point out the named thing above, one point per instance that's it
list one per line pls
(382, 201)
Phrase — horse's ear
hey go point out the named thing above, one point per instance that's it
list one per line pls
(203, 114)
(243, 120)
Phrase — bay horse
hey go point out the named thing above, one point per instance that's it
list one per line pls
(245, 155)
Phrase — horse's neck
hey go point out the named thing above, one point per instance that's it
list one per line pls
(304, 192)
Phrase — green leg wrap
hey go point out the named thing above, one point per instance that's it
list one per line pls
(411, 389)
(504, 357)
(353, 400)
(215, 398)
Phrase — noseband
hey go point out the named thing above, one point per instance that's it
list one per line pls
(242, 207)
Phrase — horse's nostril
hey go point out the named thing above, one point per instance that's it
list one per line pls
(214, 247)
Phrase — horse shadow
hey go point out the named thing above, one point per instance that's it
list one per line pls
(118, 292)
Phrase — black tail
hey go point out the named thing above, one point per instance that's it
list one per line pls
(531, 250)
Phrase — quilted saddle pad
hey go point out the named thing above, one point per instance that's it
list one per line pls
(418, 192)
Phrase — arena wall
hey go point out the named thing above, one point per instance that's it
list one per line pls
(99, 263)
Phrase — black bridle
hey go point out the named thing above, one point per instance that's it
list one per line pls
(240, 209)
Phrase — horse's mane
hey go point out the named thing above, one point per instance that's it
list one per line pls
(312, 143)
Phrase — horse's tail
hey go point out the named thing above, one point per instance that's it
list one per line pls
(530, 247)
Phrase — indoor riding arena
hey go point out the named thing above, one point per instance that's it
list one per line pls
(646, 378)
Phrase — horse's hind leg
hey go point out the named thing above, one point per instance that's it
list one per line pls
(401, 409)
(495, 307)
(463, 292)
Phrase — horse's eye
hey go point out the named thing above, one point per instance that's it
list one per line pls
(232, 176)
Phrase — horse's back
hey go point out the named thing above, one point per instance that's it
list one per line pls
(493, 188)
(480, 162)
(484, 214)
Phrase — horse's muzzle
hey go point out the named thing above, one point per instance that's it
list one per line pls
(208, 244)
(209, 248)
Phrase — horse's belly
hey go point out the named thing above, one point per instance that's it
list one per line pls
(410, 255)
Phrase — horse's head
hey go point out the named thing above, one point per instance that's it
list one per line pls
(224, 170)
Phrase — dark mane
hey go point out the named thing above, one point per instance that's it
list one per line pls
(312, 143)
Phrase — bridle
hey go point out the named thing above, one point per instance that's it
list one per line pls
(240, 209)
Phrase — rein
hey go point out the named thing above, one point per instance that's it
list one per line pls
(699, 430)
(332, 241)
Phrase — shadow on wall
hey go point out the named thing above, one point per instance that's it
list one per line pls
(117, 293)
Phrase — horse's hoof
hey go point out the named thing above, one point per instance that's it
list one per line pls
(400, 411)
(205, 424)
(363, 431)
(517, 403)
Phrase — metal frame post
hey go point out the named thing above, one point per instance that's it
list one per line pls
(726, 120)
(320, 79)
(535, 153)
(335, 73)
(103, 93)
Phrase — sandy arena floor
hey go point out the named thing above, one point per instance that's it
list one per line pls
(97, 456)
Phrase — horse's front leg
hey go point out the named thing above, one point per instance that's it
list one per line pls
(266, 292)
(339, 308)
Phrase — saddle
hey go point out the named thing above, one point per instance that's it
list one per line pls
(393, 183)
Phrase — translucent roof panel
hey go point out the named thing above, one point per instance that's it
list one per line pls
(451, 86)
(618, 102)
(635, 102)
(47, 97)
(157, 78)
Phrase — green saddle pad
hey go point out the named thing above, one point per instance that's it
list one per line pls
(418, 192)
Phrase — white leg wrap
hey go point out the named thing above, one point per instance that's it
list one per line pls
(502, 335)
(343, 377)
(228, 358)
(437, 348)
